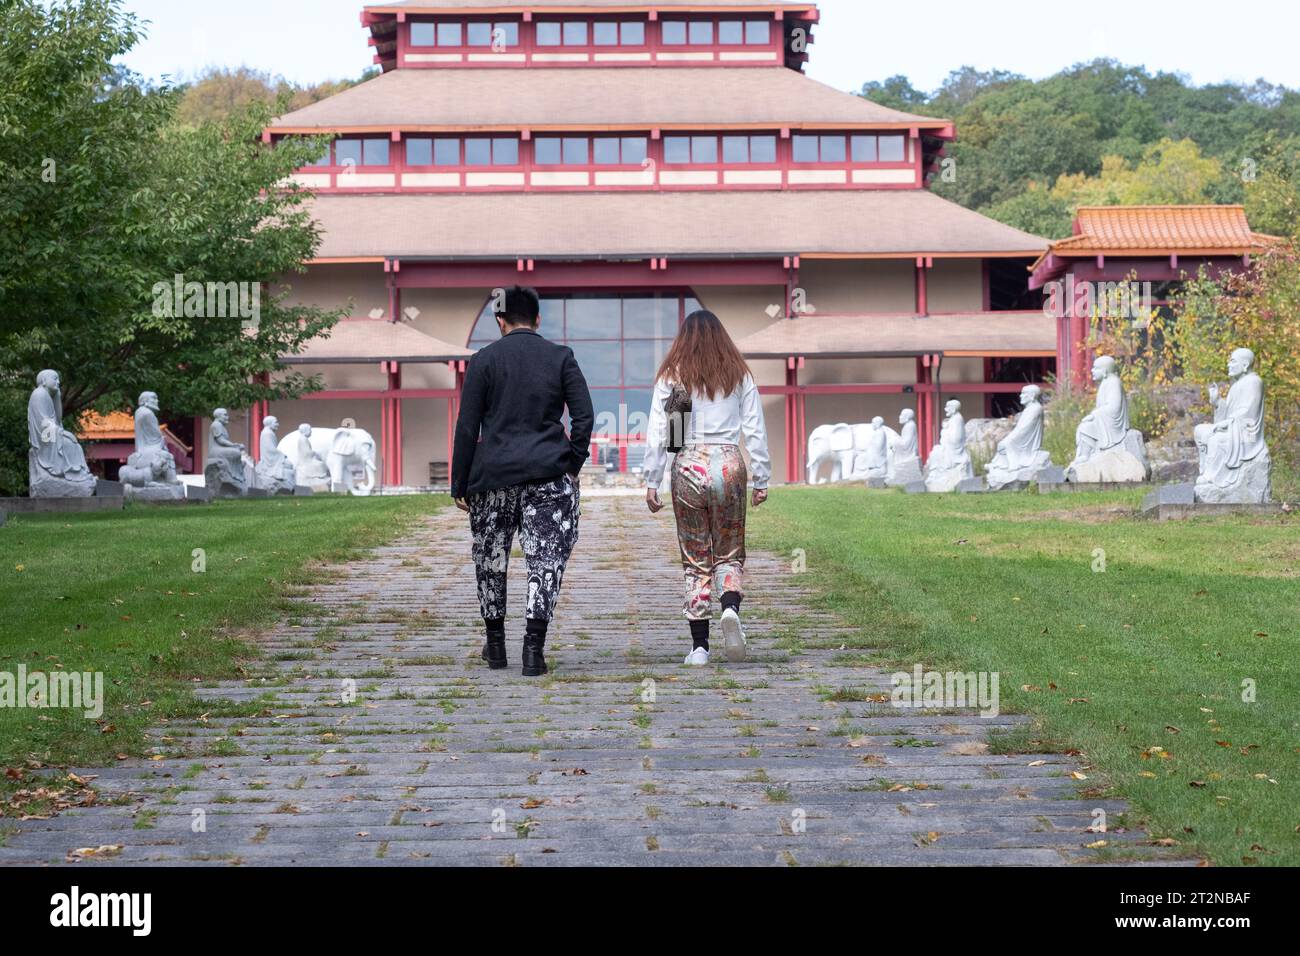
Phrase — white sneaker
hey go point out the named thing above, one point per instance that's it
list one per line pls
(698, 657)
(733, 636)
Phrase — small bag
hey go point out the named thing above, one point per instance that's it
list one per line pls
(678, 409)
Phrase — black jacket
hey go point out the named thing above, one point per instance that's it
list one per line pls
(515, 394)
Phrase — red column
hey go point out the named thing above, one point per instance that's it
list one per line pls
(393, 421)
(923, 264)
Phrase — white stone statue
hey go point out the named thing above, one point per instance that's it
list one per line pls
(275, 472)
(56, 465)
(339, 459)
(1235, 463)
(225, 473)
(949, 463)
(833, 444)
(150, 472)
(904, 452)
(1020, 456)
(1107, 449)
(871, 451)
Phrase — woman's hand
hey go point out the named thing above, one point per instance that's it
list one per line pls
(463, 505)
(760, 495)
(652, 501)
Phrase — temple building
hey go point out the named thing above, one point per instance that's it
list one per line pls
(633, 162)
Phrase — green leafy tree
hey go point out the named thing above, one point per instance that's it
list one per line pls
(217, 94)
(136, 200)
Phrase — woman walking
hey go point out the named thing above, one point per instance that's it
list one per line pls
(705, 401)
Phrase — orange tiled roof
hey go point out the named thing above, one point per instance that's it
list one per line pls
(115, 426)
(1161, 230)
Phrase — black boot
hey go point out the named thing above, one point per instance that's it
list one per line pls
(494, 650)
(534, 647)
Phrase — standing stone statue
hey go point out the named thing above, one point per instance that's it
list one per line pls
(275, 472)
(56, 465)
(150, 472)
(312, 470)
(1235, 463)
(871, 460)
(1020, 456)
(904, 453)
(1107, 449)
(224, 473)
(950, 462)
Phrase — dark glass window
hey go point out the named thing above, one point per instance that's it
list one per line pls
(575, 151)
(635, 150)
(758, 32)
(633, 33)
(704, 149)
(546, 151)
(347, 152)
(324, 159)
(833, 149)
(478, 152)
(701, 32)
(505, 151)
(892, 149)
(731, 32)
(449, 34)
(605, 33)
(677, 149)
(506, 33)
(548, 33)
(575, 33)
(806, 149)
(479, 34)
(762, 149)
(422, 34)
(419, 152)
(673, 32)
(605, 151)
(864, 149)
(446, 152)
(735, 149)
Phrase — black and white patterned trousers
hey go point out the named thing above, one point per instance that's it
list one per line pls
(545, 515)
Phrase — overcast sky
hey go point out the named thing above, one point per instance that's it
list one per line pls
(858, 40)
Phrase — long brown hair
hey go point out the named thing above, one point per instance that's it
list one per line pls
(704, 359)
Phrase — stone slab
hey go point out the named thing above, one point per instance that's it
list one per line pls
(1077, 487)
(302, 491)
(197, 493)
(109, 489)
(1201, 509)
(916, 488)
(972, 486)
(60, 505)
(1182, 495)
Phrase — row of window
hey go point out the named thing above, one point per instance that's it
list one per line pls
(583, 33)
(614, 150)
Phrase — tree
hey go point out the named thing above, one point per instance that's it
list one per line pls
(136, 202)
(218, 94)
(1169, 173)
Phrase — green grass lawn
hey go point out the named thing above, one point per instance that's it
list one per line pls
(119, 593)
(1140, 666)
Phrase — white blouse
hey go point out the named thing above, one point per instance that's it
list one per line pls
(712, 421)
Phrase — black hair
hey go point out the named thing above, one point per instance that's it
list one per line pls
(519, 306)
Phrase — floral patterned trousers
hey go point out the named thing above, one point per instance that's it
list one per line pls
(545, 515)
(709, 485)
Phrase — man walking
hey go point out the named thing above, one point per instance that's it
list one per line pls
(515, 469)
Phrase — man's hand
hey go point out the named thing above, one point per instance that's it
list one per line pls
(463, 505)
(760, 495)
(652, 501)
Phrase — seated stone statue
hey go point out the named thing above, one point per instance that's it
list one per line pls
(224, 473)
(275, 472)
(871, 459)
(950, 462)
(1107, 449)
(904, 453)
(312, 470)
(1235, 463)
(151, 470)
(1020, 456)
(56, 465)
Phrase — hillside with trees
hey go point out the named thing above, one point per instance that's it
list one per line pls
(1029, 152)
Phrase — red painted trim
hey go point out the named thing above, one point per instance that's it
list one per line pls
(592, 274)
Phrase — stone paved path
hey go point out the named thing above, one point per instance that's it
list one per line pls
(621, 757)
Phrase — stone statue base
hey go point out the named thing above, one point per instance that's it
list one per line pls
(1126, 463)
(43, 485)
(999, 475)
(1254, 485)
(156, 491)
(943, 480)
(216, 476)
(274, 480)
(905, 472)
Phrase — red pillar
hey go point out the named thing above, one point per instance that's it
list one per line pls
(923, 264)
(393, 427)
